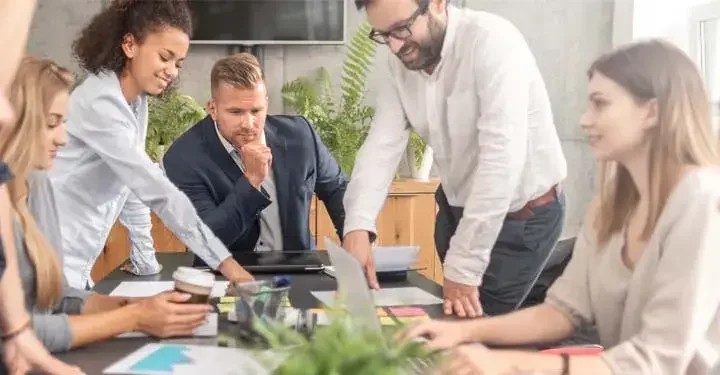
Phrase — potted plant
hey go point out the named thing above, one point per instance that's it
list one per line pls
(342, 121)
(343, 347)
(169, 115)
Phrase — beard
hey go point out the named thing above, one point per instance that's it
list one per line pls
(429, 50)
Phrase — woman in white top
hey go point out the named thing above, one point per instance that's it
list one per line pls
(644, 268)
(131, 49)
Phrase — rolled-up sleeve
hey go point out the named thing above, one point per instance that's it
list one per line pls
(681, 321)
(135, 216)
(54, 331)
(376, 161)
(112, 140)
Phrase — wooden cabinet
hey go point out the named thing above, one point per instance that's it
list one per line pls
(407, 218)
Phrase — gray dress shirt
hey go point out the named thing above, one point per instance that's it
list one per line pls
(103, 165)
(270, 230)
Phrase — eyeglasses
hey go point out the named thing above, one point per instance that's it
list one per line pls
(401, 32)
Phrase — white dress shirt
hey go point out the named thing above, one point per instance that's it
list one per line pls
(270, 232)
(102, 167)
(486, 114)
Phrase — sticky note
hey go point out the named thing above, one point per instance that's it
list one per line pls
(387, 321)
(225, 307)
(381, 312)
(407, 311)
(228, 299)
(412, 319)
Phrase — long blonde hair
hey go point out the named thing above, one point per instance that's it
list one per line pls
(35, 86)
(655, 70)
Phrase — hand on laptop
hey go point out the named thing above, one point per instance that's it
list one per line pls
(440, 334)
(357, 243)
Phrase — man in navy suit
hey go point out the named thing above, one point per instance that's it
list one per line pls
(251, 176)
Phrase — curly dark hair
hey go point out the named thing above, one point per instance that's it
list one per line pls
(99, 46)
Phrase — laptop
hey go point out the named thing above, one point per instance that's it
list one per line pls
(278, 261)
(359, 301)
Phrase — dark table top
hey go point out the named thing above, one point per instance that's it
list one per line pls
(94, 358)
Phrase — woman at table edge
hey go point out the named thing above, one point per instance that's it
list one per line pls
(644, 267)
(21, 349)
(66, 317)
(131, 49)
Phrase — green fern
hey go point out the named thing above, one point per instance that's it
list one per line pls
(345, 346)
(341, 123)
(169, 115)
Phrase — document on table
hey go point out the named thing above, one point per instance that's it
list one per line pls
(388, 297)
(389, 258)
(151, 288)
(169, 359)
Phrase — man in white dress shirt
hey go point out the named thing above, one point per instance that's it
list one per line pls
(466, 82)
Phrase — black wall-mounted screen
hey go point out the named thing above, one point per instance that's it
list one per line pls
(255, 22)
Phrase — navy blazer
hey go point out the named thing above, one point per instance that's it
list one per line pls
(199, 165)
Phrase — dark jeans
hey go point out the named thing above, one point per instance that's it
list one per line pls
(518, 257)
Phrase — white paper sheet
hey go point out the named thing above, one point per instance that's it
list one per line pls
(388, 297)
(208, 329)
(151, 288)
(394, 258)
(169, 359)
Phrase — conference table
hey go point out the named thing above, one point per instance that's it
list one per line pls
(93, 359)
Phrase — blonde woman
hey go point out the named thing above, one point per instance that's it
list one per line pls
(21, 351)
(644, 268)
(65, 317)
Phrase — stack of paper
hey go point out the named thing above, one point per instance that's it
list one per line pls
(395, 258)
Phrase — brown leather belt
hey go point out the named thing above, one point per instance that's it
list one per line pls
(545, 199)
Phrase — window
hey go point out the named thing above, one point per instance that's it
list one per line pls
(704, 25)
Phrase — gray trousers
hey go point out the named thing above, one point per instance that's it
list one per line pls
(518, 257)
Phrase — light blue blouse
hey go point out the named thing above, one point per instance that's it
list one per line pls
(102, 166)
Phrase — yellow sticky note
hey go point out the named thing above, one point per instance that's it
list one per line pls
(225, 307)
(381, 312)
(412, 319)
(387, 321)
(228, 299)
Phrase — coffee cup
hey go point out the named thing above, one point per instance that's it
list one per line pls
(197, 283)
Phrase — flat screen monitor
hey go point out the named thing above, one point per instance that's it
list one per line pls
(258, 22)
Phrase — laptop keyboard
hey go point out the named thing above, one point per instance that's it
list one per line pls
(419, 366)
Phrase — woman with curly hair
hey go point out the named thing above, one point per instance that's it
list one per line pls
(131, 49)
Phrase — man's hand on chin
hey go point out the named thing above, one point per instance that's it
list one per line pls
(234, 272)
(461, 299)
